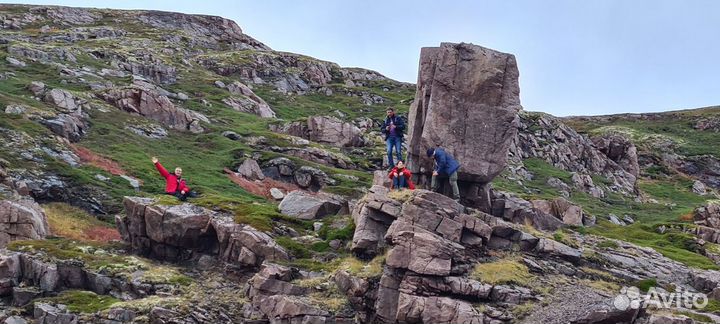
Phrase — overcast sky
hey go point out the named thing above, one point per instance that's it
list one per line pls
(576, 57)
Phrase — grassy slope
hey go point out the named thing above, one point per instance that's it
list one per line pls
(672, 192)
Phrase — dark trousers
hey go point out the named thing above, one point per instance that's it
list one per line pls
(393, 143)
(400, 182)
(435, 184)
(181, 196)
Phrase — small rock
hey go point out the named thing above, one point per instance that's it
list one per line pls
(231, 135)
(219, 84)
(182, 96)
(251, 170)
(15, 320)
(615, 220)
(14, 110)
(317, 226)
(101, 177)
(36, 87)
(628, 219)
(135, 183)
(15, 62)
(303, 205)
(276, 194)
(699, 188)
(335, 244)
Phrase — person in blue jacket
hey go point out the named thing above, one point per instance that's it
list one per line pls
(393, 129)
(445, 166)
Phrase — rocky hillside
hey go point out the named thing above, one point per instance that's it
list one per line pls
(294, 223)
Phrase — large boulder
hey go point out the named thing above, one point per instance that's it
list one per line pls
(22, 220)
(467, 101)
(246, 100)
(244, 245)
(619, 149)
(153, 105)
(251, 170)
(306, 205)
(176, 232)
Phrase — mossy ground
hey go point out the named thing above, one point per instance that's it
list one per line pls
(675, 200)
(76, 224)
(508, 270)
(80, 301)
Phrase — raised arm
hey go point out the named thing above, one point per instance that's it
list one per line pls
(160, 168)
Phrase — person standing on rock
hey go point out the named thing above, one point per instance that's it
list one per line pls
(401, 177)
(393, 128)
(445, 166)
(174, 183)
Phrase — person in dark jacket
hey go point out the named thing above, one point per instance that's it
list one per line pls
(174, 183)
(393, 128)
(401, 177)
(445, 166)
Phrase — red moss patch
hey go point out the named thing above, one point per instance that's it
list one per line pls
(262, 187)
(102, 234)
(89, 157)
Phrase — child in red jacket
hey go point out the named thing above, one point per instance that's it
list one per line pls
(401, 177)
(174, 183)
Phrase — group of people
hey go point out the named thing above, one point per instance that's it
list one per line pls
(445, 165)
(393, 128)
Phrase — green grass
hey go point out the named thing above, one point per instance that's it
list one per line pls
(79, 301)
(646, 284)
(674, 125)
(503, 271)
(296, 249)
(327, 233)
(63, 249)
(672, 245)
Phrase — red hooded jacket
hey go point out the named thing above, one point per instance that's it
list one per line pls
(172, 183)
(408, 177)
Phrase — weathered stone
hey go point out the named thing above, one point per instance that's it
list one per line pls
(419, 250)
(558, 249)
(151, 104)
(440, 310)
(48, 314)
(520, 211)
(380, 178)
(36, 87)
(63, 100)
(258, 106)
(232, 135)
(699, 188)
(22, 220)
(277, 194)
(233, 237)
(305, 205)
(548, 138)
(251, 170)
(464, 91)
(326, 130)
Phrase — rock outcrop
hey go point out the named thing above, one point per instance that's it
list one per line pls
(283, 169)
(22, 219)
(326, 130)
(467, 102)
(181, 232)
(246, 100)
(155, 106)
(610, 156)
(305, 205)
(707, 218)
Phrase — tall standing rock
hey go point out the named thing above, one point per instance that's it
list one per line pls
(467, 101)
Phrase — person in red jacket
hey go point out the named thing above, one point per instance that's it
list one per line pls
(401, 177)
(174, 183)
